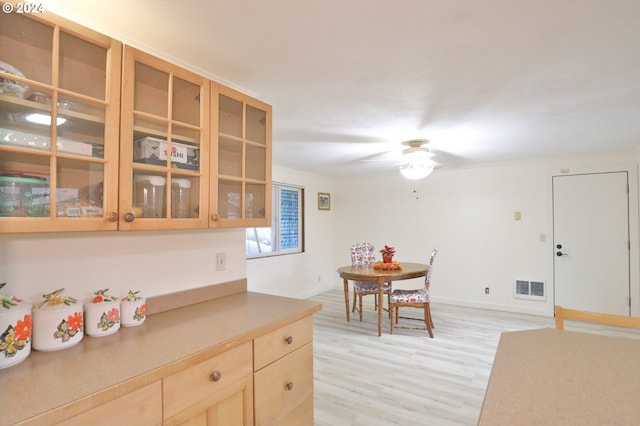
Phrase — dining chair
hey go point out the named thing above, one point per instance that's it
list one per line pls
(364, 254)
(417, 298)
(607, 319)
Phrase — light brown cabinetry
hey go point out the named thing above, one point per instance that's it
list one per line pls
(240, 160)
(283, 377)
(164, 156)
(140, 407)
(215, 392)
(138, 143)
(59, 121)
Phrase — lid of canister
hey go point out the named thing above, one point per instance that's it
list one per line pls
(182, 183)
(153, 180)
(56, 301)
(14, 179)
(10, 304)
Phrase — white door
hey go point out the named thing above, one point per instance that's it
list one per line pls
(591, 242)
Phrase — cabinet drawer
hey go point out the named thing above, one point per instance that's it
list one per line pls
(197, 383)
(283, 391)
(275, 345)
(140, 407)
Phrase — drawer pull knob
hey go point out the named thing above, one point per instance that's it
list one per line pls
(289, 385)
(129, 217)
(112, 217)
(215, 376)
(289, 340)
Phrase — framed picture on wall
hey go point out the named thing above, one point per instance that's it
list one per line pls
(324, 201)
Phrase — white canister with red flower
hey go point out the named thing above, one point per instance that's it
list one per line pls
(15, 330)
(133, 309)
(57, 322)
(102, 316)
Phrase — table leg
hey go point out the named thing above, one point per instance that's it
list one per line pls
(380, 304)
(346, 298)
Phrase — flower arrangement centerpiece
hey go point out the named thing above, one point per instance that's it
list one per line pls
(387, 254)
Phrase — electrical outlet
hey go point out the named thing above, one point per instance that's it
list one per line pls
(486, 290)
(221, 261)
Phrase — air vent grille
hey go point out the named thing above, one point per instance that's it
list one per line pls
(532, 290)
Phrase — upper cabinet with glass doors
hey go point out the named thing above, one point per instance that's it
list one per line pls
(59, 125)
(164, 157)
(240, 160)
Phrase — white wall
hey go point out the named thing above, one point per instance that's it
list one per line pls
(301, 274)
(150, 262)
(469, 215)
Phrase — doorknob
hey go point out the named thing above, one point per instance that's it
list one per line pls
(558, 246)
(559, 253)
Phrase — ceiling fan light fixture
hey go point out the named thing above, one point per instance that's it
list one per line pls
(417, 167)
(417, 162)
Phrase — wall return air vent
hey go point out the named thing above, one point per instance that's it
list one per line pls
(532, 290)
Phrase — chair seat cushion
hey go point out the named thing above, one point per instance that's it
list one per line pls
(361, 287)
(410, 296)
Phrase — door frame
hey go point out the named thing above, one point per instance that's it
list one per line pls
(634, 227)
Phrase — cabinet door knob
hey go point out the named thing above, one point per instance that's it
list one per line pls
(289, 340)
(112, 217)
(289, 385)
(215, 216)
(215, 376)
(128, 217)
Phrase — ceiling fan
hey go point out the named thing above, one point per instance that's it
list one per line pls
(415, 161)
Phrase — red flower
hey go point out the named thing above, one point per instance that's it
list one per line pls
(23, 328)
(97, 299)
(74, 322)
(113, 315)
(143, 308)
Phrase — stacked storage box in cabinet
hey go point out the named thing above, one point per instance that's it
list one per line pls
(59, 125)
(164, 145)
(283, 375)
(240, 160)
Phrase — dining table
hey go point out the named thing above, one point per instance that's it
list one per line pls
(559, 377)
(368, 273)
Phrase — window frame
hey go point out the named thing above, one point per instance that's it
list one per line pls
(276, 192)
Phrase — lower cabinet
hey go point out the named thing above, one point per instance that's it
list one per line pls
(267, 381)
(140, 407)
(215, 392)
(283, 377)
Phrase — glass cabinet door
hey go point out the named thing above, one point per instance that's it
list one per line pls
(165, 132)
(59, 118)
(241, 193)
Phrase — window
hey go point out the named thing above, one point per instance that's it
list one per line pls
(286, 232)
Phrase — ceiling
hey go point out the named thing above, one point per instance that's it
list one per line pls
(486, 81)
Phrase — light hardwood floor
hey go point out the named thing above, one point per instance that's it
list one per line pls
(406, 378)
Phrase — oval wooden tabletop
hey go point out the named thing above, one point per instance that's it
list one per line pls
(368, 273)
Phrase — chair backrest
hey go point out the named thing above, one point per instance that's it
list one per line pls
(572, 314)
(362, 254)
(427, 278)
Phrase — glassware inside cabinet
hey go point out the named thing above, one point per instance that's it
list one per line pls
(230, 199)
(184, 196)
(149, 191)
(24, 185)
(254, 206)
